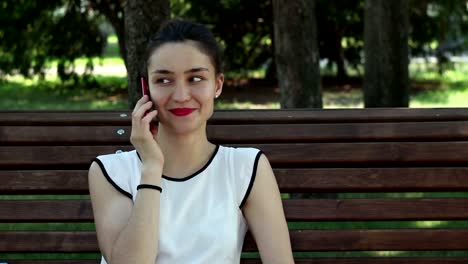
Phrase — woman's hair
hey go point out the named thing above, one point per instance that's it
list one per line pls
(177, 30)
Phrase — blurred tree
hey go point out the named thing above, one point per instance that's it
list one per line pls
(340, 33)
(142, 21)
(386, 82)
(439, 28)
(113, 10)
(35, 32)
(296, 52)
(243, 27)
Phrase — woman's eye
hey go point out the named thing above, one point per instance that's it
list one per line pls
(195, 79)
(162, 80)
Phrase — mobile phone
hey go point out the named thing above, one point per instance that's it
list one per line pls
(144, 86)
(145, 91)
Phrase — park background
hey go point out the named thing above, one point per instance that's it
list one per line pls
(67, 54)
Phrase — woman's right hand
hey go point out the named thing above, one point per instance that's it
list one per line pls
(142, 138)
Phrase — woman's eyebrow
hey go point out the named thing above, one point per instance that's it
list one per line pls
(197, 70)
(162, 71)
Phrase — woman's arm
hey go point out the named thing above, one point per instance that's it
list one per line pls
(127, 232)
(265, 216)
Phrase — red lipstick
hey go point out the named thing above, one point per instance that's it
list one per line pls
(181, 111)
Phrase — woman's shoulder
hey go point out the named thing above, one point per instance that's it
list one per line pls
(119, 169)
(241, 152)
(118, 155)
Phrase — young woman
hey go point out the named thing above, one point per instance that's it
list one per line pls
(178, 198)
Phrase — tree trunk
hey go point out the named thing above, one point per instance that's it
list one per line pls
(296, 53)
(386, 81)
(142, 20)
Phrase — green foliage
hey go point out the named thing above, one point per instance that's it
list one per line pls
(439, 28)
(35, 32)
(244, 27)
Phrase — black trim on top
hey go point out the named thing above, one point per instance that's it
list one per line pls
(193, 174)
(109, 179)
(252, 179)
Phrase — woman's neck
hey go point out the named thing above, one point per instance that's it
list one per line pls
(184, 154)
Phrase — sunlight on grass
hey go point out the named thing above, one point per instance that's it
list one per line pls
(346, 99)
(245, 105)
(112, 39)
(103, 93)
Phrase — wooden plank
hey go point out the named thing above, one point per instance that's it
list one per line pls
(375, 260)
(48, 241)
(50, 261)
(351, 240)
(358, 154)
(285, 116)
(64, 135)
(59, 156)
(330, 260)
(63, 117)
(347, 132)
(375, 209)
(372, 179)
(44, 182)
(301, 240)
(289, 180)
(313, 154)
(295, 210)
(46, 211)
(252, 133)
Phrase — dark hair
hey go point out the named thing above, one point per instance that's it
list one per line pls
(177, 30)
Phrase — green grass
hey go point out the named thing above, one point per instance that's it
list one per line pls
(106, 92)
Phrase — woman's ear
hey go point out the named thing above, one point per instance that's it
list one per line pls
(219, 84)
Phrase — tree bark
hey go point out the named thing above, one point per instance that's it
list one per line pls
(142, 20)
(386, 81)
(296, 53)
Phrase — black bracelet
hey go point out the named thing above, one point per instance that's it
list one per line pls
(149, 186)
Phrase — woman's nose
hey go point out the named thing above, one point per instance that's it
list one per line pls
(181, 93)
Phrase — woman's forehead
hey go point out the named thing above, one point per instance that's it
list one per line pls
(179, 56)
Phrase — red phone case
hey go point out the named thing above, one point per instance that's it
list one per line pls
(145, 91)
(144, 86)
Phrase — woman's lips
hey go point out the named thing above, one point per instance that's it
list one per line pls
(181, 111)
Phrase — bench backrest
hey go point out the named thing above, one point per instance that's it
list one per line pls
(375, 183)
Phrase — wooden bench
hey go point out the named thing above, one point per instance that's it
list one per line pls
(411, 165)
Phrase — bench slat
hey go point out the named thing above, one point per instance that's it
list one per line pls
(289, 180)
(285, 116)
(49, 261)
(376, 260)
(295, 209)
(301, 240)
(93, 135)
(313, 154)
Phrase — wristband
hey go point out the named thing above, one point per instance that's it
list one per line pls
(149, 186)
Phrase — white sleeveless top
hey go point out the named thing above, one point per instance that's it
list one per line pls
(200, 215)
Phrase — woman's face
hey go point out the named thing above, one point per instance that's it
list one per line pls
(183, 85)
